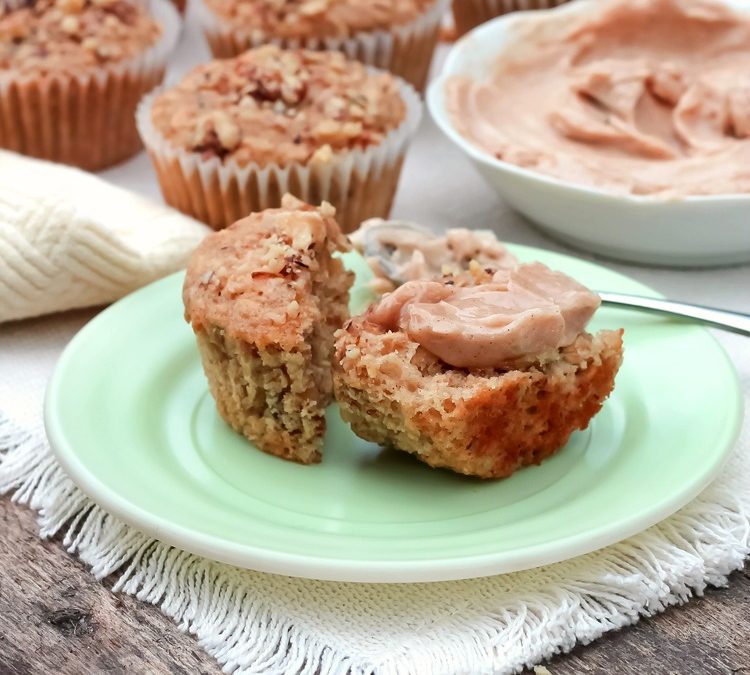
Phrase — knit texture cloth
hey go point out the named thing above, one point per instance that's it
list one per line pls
(69, 239)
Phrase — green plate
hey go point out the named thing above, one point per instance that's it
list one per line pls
(129, 416)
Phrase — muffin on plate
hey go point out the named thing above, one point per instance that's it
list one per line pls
(482, 372)
(468, 14)
(264, 298)
(73, 71)
(395, 35)
(234, 135)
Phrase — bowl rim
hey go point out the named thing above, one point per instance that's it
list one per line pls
(503, 24)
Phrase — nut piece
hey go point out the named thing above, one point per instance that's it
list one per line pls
(71, 6)
(227, 130)
(323, 155)
(327, 209)
(313, 7)
(70, 24)
(292, 309)
(15, 28)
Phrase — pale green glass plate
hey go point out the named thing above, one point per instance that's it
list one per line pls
(130, 418)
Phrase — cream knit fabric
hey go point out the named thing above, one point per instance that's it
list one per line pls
(68, 239)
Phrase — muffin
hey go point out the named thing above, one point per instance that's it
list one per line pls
(234, 135)
(395, 35)
(468, 14)
(481, 373)
(72, 73)
(264, 298)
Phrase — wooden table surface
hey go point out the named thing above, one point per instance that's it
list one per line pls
(55, 618)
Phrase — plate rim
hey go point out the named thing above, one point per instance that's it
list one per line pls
(322, 568)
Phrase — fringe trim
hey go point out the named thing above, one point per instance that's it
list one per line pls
(478, 625)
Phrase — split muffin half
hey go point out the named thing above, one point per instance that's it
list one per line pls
(482, 372)
(264, 297)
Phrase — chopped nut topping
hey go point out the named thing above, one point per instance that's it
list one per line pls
(323, 155)
(68, 36)
(318, 18)
(70, 24)
(292, 308)
(216, 134)
(71, 6)
(274, 106)
(227, 130)
(328, 210)
(312, 7)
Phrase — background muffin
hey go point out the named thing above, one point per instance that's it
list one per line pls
(468, 14)
(236, 134)
(72, 73)
(395, 35)
(264, 298)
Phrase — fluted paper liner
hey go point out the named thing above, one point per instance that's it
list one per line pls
(468, 14)
(404, 50)
(360, 183)
(87, 120)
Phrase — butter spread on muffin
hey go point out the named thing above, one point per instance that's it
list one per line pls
(481, 373)
(518, 314)
(400, 251)
(48, 37)
(318, 18)
(271, 106)
(264, 297)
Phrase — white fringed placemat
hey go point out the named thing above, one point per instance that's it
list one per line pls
(260, 623)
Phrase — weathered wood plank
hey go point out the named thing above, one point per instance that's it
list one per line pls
(54, 618)
(707, 636)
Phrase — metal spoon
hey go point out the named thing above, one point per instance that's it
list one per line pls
(373, 247)
(735, 322)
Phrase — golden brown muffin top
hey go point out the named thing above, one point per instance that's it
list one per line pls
(257, 278)
(48, 37)
(270, 105)
(316, 18)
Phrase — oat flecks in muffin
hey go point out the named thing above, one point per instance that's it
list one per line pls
(273, 106)
(317, 18)
(48, 37)
(264, 297)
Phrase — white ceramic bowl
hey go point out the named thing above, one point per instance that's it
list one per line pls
(692, 231)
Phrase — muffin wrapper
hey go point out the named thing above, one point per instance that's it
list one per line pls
(468, 14)
(404, 50)
(360, 183)
(86, 120)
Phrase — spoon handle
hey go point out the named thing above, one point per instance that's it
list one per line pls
(735, 322)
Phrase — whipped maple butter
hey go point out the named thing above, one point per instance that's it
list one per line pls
(631, 97)
(414, 253)
(521, 313)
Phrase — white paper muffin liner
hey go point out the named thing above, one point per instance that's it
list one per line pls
(360, 183)
(86, 119)
(468, 14)
(405, 50)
